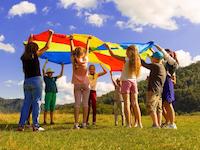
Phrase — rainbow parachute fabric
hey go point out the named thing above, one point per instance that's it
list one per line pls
(59, 51)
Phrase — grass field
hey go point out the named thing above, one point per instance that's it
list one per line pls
(103, 136)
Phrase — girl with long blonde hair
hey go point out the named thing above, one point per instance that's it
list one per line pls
(129, 90)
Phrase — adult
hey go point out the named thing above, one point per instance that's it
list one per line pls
(32, 82)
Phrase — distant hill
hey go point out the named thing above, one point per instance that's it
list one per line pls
(10, 105)
(187, 92)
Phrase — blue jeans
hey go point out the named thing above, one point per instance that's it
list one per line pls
(32, 97)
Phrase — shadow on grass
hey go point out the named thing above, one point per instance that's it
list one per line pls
(8, 127)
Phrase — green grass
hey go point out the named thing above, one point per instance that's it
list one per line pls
(104, 136)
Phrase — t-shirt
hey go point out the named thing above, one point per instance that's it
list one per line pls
(93, 81)
(31, 67)
(125, 72)
(50, 84)
(117, 94)
(156, 78)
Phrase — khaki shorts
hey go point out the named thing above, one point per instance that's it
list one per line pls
(154, 102)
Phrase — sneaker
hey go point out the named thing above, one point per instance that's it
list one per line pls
(172, 126)
(155, 127)
(20, 129)
(38, 129)
(94, 123)
(76, 126)
(84, 125)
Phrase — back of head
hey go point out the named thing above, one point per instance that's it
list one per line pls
(79, 51)
(134, 61)
(30, 50)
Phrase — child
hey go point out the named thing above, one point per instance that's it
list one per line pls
(156, 81)
(50, 91)
(129, 90)
(80, 80)
(118, 101)
(171, 64)
(93, 76)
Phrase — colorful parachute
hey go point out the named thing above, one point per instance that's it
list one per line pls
(59, 51)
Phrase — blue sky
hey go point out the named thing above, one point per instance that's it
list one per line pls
(171, 24)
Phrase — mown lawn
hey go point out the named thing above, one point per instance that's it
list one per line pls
(103, 136)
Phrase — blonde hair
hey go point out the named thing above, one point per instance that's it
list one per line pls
(134, 61)
(79, 51)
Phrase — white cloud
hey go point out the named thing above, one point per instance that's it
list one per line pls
(10, 83)
(185, 58)
(95, 19)
(72, 27)
(127, 25)
(22, 8)
(156, 13)
(2, 38)
(143, 75)
(6, 46)
(104, 87)
(52, 24)
(45, 10)
(78, 4)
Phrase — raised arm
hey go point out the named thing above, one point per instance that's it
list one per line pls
(144, 64)
(111, 76)
(61, 72)
(103, 72)
(113, 55)
(44, 68)
(71, 43)
(30, 39)
(88, 44)
(46, 47)
(167, 57)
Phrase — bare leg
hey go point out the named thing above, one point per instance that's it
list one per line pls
(154, 119)
(166, 111)
(136, 108)
(127, 108)
(45, 117)
(159, 116)
(51, 117)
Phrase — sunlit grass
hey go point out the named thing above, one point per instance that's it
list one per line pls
(102, 136)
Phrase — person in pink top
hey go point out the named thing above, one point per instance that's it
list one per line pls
(79, 57)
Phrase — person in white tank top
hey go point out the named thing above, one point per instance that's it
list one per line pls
(129, 90)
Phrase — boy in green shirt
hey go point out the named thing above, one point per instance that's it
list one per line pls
(50, 91)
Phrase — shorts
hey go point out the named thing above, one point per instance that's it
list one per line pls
(129, 86)
(154, 102)
(50, 101)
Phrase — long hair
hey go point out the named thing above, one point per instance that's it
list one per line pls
(30, 50)
(79, 51)
(134, 61)
(172, 54)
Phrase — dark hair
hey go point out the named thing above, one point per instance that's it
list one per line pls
(30, 50)
(172, 54)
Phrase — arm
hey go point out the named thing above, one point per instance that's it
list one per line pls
(113, 55)
(30, 39)
(88, 44)
(112, 79)
(167, 57)
(44, 68)
(71, 43)
(144, 64)
(61, 72)
(102, 73)
(46, 47)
